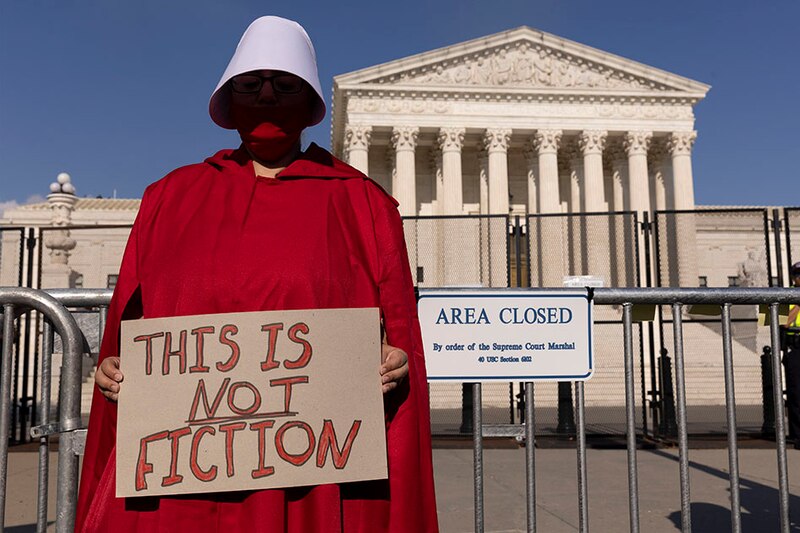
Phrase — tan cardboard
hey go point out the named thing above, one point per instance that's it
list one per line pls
(244, 401)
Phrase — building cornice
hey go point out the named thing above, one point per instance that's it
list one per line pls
(516, 94)
(559, 46)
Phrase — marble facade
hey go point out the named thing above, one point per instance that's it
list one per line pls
(522, 122)
(507, 113)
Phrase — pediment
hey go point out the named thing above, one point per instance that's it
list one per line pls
(521, 59)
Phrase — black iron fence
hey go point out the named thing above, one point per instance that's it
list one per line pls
(603, 245)
(712, 248)
(459, 250)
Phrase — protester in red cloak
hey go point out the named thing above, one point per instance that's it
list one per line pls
(267, 227)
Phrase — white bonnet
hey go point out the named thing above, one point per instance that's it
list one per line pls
(269, 43)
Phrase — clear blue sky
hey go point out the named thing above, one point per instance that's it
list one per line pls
(116, 92)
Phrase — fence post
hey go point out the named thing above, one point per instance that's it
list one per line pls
(668, 424)
(768, 406)
(566, 410)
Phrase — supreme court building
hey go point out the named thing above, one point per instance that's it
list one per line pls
(522, 122)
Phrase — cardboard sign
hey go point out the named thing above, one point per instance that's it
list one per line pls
(506, 335)
(227, 402)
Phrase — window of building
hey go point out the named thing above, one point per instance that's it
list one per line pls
(112, 281)
(733, 281)
(703, 281)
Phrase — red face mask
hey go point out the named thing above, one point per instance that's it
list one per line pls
(270, 131)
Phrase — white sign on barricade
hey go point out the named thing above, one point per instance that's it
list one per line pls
(507, 335)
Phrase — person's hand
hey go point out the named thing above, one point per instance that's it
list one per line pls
(394, 367)
(108, 377)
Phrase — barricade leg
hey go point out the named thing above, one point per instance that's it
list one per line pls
(630, 421)
(5, 403)
(780, 428)
(583, 495)
(477, 432)
(530, 456)
(683, 433)
(730, 412)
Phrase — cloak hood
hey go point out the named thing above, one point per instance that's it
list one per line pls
(269, 43)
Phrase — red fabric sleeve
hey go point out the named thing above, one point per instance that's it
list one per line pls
(408, 433)
(100, 441)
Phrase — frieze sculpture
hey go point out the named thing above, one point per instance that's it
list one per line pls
(524, 64)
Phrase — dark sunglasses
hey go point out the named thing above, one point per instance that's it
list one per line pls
(281, 83)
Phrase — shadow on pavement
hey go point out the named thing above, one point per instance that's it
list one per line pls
(759, 504)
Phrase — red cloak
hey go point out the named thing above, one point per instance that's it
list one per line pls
(214, 238)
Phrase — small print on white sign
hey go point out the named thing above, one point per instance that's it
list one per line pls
(502, 335)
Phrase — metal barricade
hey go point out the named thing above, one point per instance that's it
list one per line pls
(71, 435)
(677, 299)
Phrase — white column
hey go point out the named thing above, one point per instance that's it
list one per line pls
(619, 177)
(680, 148)
(495, 142)
(450, 143)
(489, 277)
(592, 143)
(483, 181)
(404, 184)
(575, 182)
(546, 142)
(595, 228)
(577, 224)
(436, 169)
(431, 237)
(546, 238)
(621, 236)
(636, 145)
(659, 181)
(532, 161)
(658, 178)
(461, 252)
(356, 146)
(679, 145)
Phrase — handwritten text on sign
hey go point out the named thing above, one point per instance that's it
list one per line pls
(249, 401)
(503, 335)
